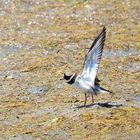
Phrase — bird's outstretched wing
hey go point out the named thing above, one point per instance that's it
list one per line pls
(93, 57)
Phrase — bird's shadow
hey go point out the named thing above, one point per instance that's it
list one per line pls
(106, 104)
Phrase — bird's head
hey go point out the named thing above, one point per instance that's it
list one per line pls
(69, 78)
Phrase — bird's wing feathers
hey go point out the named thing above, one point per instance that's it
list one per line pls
(93, 57)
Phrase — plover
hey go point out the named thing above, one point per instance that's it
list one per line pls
(87, 81)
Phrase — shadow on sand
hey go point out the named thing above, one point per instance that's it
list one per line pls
(106, 104)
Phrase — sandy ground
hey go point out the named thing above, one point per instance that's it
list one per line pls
(41, 40)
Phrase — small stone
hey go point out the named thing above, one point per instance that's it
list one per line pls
(55, 120)
(10, 77)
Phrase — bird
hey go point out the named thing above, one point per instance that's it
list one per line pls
(87, 81)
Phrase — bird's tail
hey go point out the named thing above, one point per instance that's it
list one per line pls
(102, 90)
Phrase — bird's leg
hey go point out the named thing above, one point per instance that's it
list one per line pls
(85, 100)
(92, 99)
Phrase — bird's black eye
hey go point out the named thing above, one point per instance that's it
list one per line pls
(66, 77)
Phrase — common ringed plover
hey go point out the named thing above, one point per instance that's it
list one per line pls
(87, 82)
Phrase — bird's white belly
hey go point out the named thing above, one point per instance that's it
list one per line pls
(84, 86)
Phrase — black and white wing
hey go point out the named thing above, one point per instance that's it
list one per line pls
(93, 57)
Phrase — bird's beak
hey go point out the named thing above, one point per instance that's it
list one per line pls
(61, 78)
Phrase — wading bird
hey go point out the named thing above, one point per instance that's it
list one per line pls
(87, 81)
